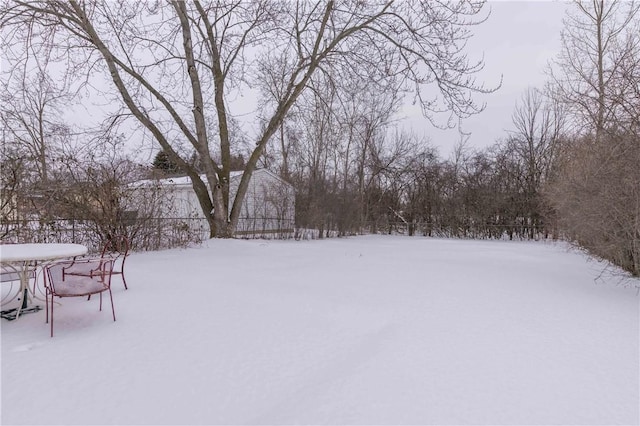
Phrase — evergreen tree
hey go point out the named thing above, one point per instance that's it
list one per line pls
(164, 163)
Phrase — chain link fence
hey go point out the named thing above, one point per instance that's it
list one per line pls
(164, 233)
(145, 235)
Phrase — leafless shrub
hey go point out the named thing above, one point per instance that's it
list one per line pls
(597, 197)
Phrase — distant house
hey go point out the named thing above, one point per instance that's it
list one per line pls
(268, 210)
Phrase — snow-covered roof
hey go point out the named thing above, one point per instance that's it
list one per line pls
(177, 181)
(181, 181)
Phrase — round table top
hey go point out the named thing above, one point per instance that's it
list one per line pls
(39, 251)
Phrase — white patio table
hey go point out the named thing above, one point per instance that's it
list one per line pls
(22, 257)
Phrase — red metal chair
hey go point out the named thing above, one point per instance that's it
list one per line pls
(116, 248)
(95, 278)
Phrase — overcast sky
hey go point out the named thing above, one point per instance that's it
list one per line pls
(518, 41)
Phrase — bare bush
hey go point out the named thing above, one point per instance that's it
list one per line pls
(597, 198)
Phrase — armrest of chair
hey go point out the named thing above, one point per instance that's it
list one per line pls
(85, 267)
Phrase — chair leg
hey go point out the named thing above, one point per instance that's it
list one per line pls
(100, 300)
(113, 311)
(52, 315)
(124, 281)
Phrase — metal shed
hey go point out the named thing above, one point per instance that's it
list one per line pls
(268, 210)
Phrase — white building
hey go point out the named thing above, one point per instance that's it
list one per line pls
(268, 210)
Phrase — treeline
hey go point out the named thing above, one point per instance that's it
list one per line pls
(476, 194)
(596, 195)
(356, 171)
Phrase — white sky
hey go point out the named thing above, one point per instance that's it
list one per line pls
(518, 40)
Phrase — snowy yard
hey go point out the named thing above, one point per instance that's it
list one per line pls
(362, 330)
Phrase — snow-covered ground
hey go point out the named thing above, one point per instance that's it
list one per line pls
(361, 330)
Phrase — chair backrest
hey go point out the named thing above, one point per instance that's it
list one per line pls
(89, 276)
(116, 246)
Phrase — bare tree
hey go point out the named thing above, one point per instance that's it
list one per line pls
(625, 90)
(30, 112)
(13, 168)
(539, 126)
(596, 35)
(177, 65)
